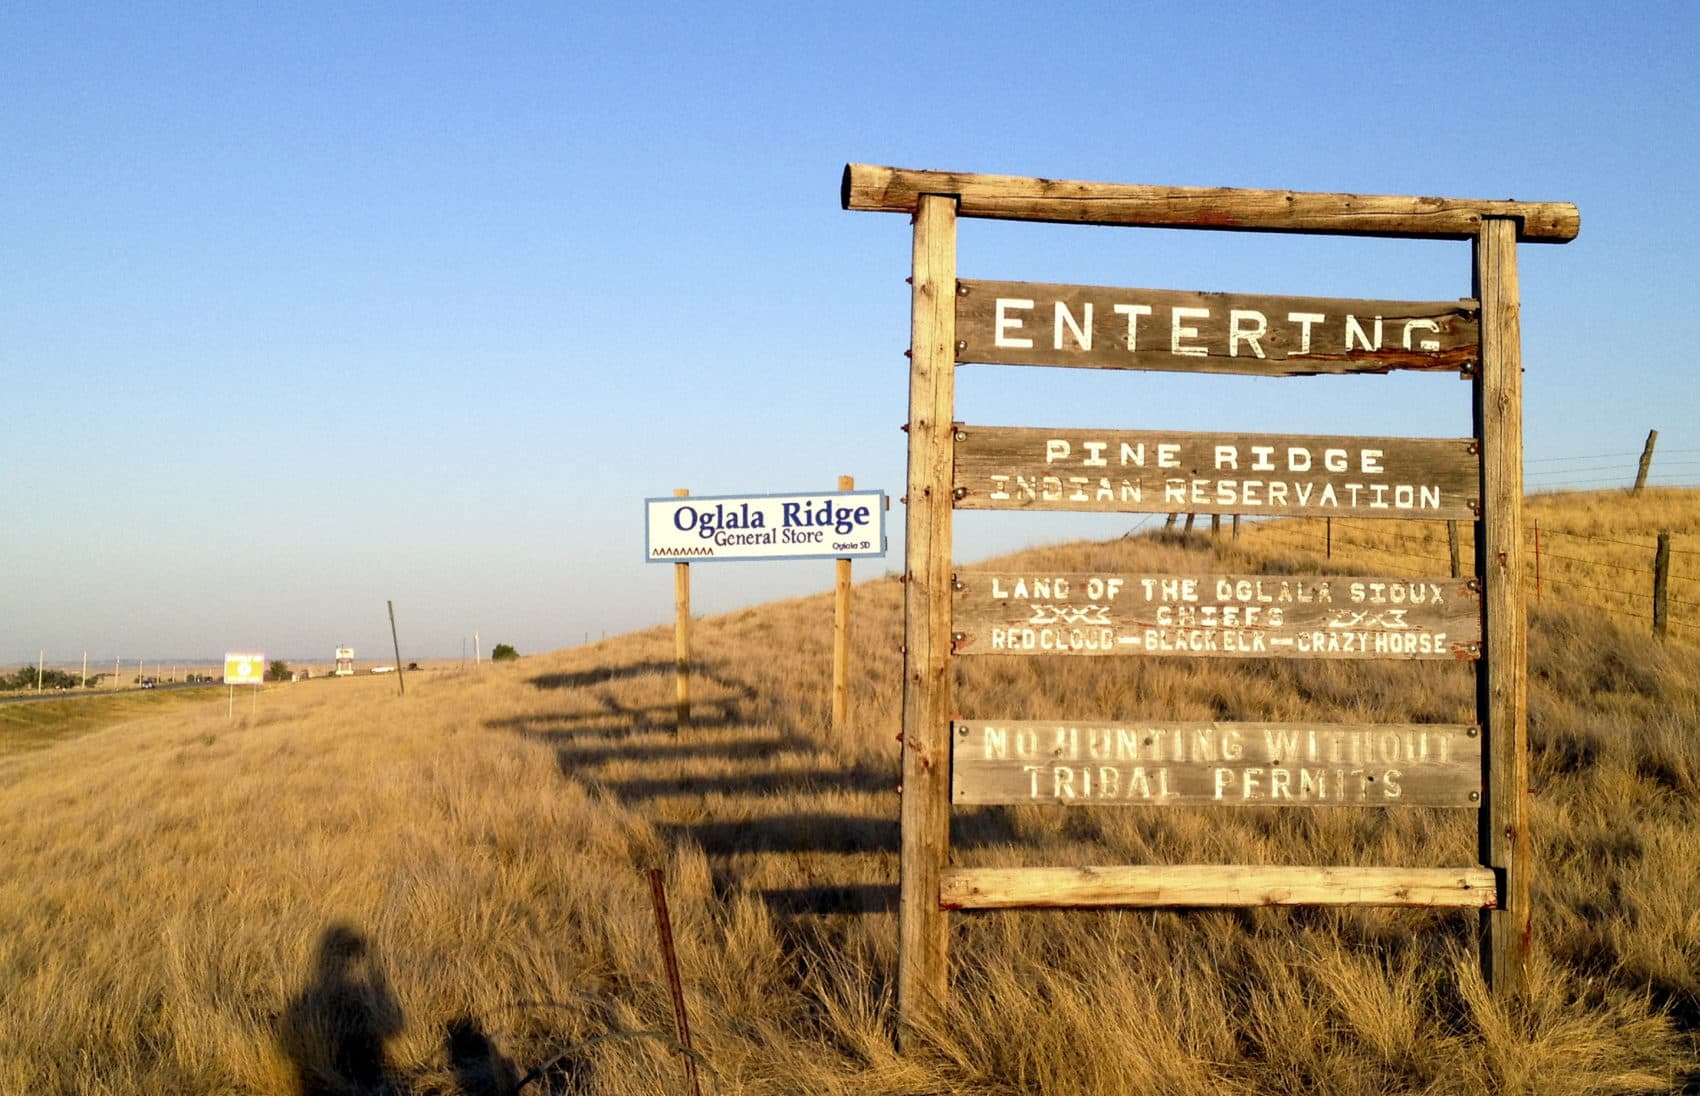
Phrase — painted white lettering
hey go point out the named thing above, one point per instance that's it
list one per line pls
(1247, 326)
(1082, 330)
(1304, 320)
(1355, 333)
(1178, 331)
(1422, 325)
(1132, 312)
(1004, 323)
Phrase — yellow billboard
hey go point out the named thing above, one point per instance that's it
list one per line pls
(244, 669)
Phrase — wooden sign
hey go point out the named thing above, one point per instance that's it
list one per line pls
(952, 467)
(1031, 323)
(1160, 472)
(1215, 764)
(1224, 616)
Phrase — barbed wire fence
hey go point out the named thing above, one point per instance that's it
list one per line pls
(1629, 576)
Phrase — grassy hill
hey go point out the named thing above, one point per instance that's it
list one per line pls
(449, 886)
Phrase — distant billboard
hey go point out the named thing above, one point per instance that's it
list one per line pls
(822, 525)
(244, 669)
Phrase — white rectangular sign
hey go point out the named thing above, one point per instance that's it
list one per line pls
(244, 669)
(822, 525)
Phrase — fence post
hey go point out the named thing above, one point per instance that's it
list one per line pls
(1661, 580)
(1646, 462)
(1190, 518)
(670, 964)
(1236, 527)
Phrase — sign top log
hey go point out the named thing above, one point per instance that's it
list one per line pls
(1018, 198)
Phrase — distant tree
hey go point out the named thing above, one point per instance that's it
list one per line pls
(504, 652)
(25, 678)
(278, 670)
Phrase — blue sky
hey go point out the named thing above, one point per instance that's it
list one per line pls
(311, 307)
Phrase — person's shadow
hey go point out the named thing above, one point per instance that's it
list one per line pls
(334, 1030)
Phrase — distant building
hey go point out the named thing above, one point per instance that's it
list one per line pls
(344, 662)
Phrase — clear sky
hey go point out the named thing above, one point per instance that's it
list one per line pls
(307, 307)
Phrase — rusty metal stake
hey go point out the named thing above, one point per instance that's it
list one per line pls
(664, 931)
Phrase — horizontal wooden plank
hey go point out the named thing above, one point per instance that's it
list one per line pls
(1035, 323)
(1022, 198)
(1157, 472)
(1168, 764)
(1223, 616)
(1209, 885)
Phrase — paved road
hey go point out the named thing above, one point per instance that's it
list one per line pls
(84, 694)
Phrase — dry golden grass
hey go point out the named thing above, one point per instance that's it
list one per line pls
(448, 885)
(1596, 550)
(31, 724)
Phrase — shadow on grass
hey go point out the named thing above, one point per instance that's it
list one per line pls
(336, 1029)
(602, 675)
(829, 899)
(775, 759)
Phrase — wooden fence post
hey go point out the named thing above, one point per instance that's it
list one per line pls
(1661, 581)
(1236, 527)
(1190, 518)
(682, 636)
(1169, 522)
(841, 633)
(1646, 462)
(1502, 674)
(923, 972)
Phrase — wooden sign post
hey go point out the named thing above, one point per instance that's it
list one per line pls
(841, 631)
(682, 636)
(839, 525)
(1483, 765)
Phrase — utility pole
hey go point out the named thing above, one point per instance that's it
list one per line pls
(399, 680)
(85, 683)
(40, 661)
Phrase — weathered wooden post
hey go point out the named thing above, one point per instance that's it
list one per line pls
(681, 637)
(923, 967)
(1452, 545)
(1661, 582)
(841, 632)
(1646, 462)
(1502, 677)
